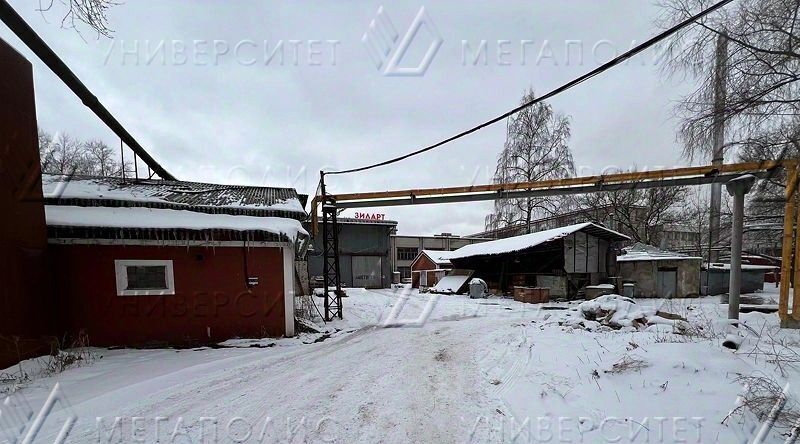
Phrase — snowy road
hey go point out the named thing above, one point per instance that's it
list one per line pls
(477, 371)
(374, 384)
(395, 385)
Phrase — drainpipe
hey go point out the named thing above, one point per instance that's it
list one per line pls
(737, 188)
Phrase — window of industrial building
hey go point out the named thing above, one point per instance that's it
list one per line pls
(406, 254)
(405, 272)
(144, 277)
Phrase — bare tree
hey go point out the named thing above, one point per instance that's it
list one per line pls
(765, 204)
(67, 156)
(93, 13)
(64, 154)
(45, 150)
(694, 211)
(641, 214)
(535, 149)
(100, 158)
(762, 92)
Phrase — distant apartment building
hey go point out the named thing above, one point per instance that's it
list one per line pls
(404, 248)
(680, 237)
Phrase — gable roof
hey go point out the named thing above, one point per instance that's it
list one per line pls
(90, 191)
(643, 252)
(438, 257)
(526, 241)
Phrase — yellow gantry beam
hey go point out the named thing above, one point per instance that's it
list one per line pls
(573, 181)
(607, 179)
(791, 248)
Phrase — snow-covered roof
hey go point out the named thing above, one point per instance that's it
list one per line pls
(158, 218)
(727, 267)
(438, 257)
(451, 283)
(519, 243)
(205, 197)
(644, 252)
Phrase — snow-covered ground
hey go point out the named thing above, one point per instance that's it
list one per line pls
(489, 370)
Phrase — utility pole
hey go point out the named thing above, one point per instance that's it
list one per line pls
(330, 255)
(718, 142)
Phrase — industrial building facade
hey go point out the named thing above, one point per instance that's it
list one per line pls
(404, 249)
(364, 253)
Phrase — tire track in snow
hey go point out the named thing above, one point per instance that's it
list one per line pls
(378, 384)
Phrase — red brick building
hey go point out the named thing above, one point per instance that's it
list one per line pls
(429, 267)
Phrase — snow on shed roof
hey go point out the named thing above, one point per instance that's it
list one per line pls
(114, 191)
(158, 218)
(452, 283)
(644, 252)
(727, 267)
(519, 243)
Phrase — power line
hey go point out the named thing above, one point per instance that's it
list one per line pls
(35, 43)
(616, 61)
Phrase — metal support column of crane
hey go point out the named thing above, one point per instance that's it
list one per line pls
(330, 256)
(737, 188)
(790, 266)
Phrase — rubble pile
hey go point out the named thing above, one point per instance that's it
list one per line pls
(615, 312)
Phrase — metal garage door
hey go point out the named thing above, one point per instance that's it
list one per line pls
(667, 283)
(367, 272)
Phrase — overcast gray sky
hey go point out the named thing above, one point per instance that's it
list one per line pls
(247, 116)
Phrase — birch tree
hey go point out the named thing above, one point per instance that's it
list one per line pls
(535, 149)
